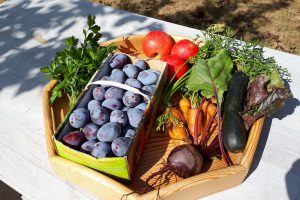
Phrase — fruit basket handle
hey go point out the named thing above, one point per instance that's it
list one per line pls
(119, 85)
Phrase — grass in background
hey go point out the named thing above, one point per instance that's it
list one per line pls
(274, 22)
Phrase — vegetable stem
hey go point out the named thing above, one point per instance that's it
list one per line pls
(196, 126)
(223, 153)
(208, 127)
(212, 146)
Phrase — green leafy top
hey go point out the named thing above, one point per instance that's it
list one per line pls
(211, 76)
(74, 66)
(246, 56)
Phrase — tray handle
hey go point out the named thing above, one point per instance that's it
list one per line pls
(119, 85)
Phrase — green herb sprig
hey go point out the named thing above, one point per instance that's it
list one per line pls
(165, 119)
(74, 66)
(246, 56)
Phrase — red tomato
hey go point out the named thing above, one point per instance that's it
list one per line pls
(175, 63)
(157, 44)
(184, 49)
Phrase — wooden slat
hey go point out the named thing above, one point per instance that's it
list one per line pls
(254, 135)
(202, 185)
(49, 120)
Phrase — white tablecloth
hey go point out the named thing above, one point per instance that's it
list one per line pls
(31, 32)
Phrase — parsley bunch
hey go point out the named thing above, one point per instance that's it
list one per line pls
(74, 66)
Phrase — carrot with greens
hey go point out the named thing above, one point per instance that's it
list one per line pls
(173, 121)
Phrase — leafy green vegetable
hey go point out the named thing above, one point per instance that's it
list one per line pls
(260, 102)
(256, 92)
(211, 76)
(275, 101)
(74, 66)
(247, 57)
(266, 87)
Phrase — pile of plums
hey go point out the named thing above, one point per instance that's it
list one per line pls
(108, 124)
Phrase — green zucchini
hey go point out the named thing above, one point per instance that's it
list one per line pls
(233, 129)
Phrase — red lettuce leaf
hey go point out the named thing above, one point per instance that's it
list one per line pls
(259, 102)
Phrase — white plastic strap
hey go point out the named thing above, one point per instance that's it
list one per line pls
(119, 85)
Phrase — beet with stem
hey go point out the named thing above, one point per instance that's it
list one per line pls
(183, 161)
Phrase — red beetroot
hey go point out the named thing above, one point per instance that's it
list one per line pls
(183, 161)
(185, 49)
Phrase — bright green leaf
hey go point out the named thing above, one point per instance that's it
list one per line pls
(45, 70)
(71, 42)
(275, 80)
(91, 20)
(211, 76)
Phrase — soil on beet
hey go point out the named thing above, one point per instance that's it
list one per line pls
(276, 23)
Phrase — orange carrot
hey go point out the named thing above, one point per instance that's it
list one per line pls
(179, 135)
(192, 119)
(176, 130)
(185, 105)
(204, 115)
(208, 109)
(176, 113)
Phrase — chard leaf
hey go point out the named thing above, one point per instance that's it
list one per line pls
(257, 92)
(211, 76)
(275, 101)
(265, 95)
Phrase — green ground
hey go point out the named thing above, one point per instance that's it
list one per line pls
(274, 22)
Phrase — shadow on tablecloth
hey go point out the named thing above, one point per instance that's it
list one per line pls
(31, 32)
(288, 109)
(292, 179)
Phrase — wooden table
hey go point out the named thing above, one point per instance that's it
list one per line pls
(31, 33)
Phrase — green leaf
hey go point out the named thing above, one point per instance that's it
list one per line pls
(275, 80)
(91, 53)
(71, 42)
(211, 76)
(74, 66)
(84, 33)
(91, 20)
(95, 28)
(45, 70)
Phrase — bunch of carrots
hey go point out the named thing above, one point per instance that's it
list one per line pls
(188, 123)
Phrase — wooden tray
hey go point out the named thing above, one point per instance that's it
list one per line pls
(216, 176)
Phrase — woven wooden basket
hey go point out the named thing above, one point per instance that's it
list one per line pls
(216, 176)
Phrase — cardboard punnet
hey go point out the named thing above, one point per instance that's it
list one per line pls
(121, 167)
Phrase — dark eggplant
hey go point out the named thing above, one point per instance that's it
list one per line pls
(233, 129)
